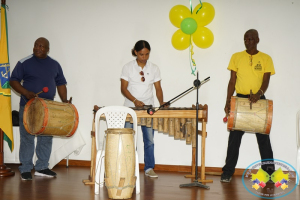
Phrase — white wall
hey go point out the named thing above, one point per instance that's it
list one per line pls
(92, 40)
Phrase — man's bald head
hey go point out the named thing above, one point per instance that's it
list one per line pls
(252, 31)
(41, 48)
(251, 40)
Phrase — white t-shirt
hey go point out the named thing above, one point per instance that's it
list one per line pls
(142, 91)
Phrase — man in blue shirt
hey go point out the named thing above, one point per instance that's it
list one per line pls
(37, 71)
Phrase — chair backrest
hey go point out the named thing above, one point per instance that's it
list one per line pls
(115, 118)
(297, 129)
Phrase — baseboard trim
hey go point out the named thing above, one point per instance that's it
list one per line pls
(167, 168)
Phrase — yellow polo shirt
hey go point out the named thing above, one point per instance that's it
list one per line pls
(250, 70)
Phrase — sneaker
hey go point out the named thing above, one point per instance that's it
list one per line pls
(26, 176)
(151, 173)
(45, 172)
(225, 178)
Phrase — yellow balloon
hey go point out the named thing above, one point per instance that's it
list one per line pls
(178, 13)
(180, 40)
(205, 15)
(203, 37)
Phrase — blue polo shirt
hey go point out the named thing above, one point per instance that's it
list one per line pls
(38, 73)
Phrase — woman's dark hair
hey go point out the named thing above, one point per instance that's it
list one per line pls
(139, 46)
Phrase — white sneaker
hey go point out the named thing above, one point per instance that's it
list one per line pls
(151, 173)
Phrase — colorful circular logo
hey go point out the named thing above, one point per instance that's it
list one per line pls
(270, 178)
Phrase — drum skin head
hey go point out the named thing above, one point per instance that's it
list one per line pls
(231, 116)
(33, 117)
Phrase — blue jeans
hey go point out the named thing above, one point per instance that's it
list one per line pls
(43, 148)
(148, 135)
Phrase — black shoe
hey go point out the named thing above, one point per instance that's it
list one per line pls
(45, 172)
(225, 178)
(26, 176)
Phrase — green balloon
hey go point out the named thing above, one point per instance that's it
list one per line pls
(188, 25)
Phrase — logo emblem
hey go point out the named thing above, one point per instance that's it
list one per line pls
(279, 183)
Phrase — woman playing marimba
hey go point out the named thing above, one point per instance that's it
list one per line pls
(137, 80)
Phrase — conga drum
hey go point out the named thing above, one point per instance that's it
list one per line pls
(255, 120)
(50, 118)
(120, 163)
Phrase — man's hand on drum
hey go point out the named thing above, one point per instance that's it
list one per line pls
(254, 98)
(138, 103)
(30, 94)
(227, 108)
(70, 100)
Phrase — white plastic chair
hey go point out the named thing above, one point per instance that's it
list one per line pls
(298, 145)
(115, 118)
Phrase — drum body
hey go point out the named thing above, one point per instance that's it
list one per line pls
(255, 120)
(120, 163)
(50, 118)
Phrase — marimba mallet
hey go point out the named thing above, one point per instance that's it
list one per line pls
(45, 90)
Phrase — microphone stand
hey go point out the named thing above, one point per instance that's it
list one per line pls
(197, 84)
(151, 111)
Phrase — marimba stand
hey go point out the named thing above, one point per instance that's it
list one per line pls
(203, 134)
(91, 178)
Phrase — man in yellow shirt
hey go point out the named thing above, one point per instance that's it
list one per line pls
(250, 70)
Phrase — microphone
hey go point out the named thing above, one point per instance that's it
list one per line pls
(45, 90)
(197, 82)
(151, 111)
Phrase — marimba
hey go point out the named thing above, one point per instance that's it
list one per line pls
(177, 122)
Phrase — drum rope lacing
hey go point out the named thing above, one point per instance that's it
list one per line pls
(67, 124)
(114, 183)
(99, 164)
(246, 113)
(255, 114)
(120, 188)
(61, 128)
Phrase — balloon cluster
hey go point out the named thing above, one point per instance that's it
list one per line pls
(192, 25)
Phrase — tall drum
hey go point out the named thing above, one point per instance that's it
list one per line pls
(255, 120)
(50, 118)
(120, 163)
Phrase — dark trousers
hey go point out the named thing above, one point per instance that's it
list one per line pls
(234, 142)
